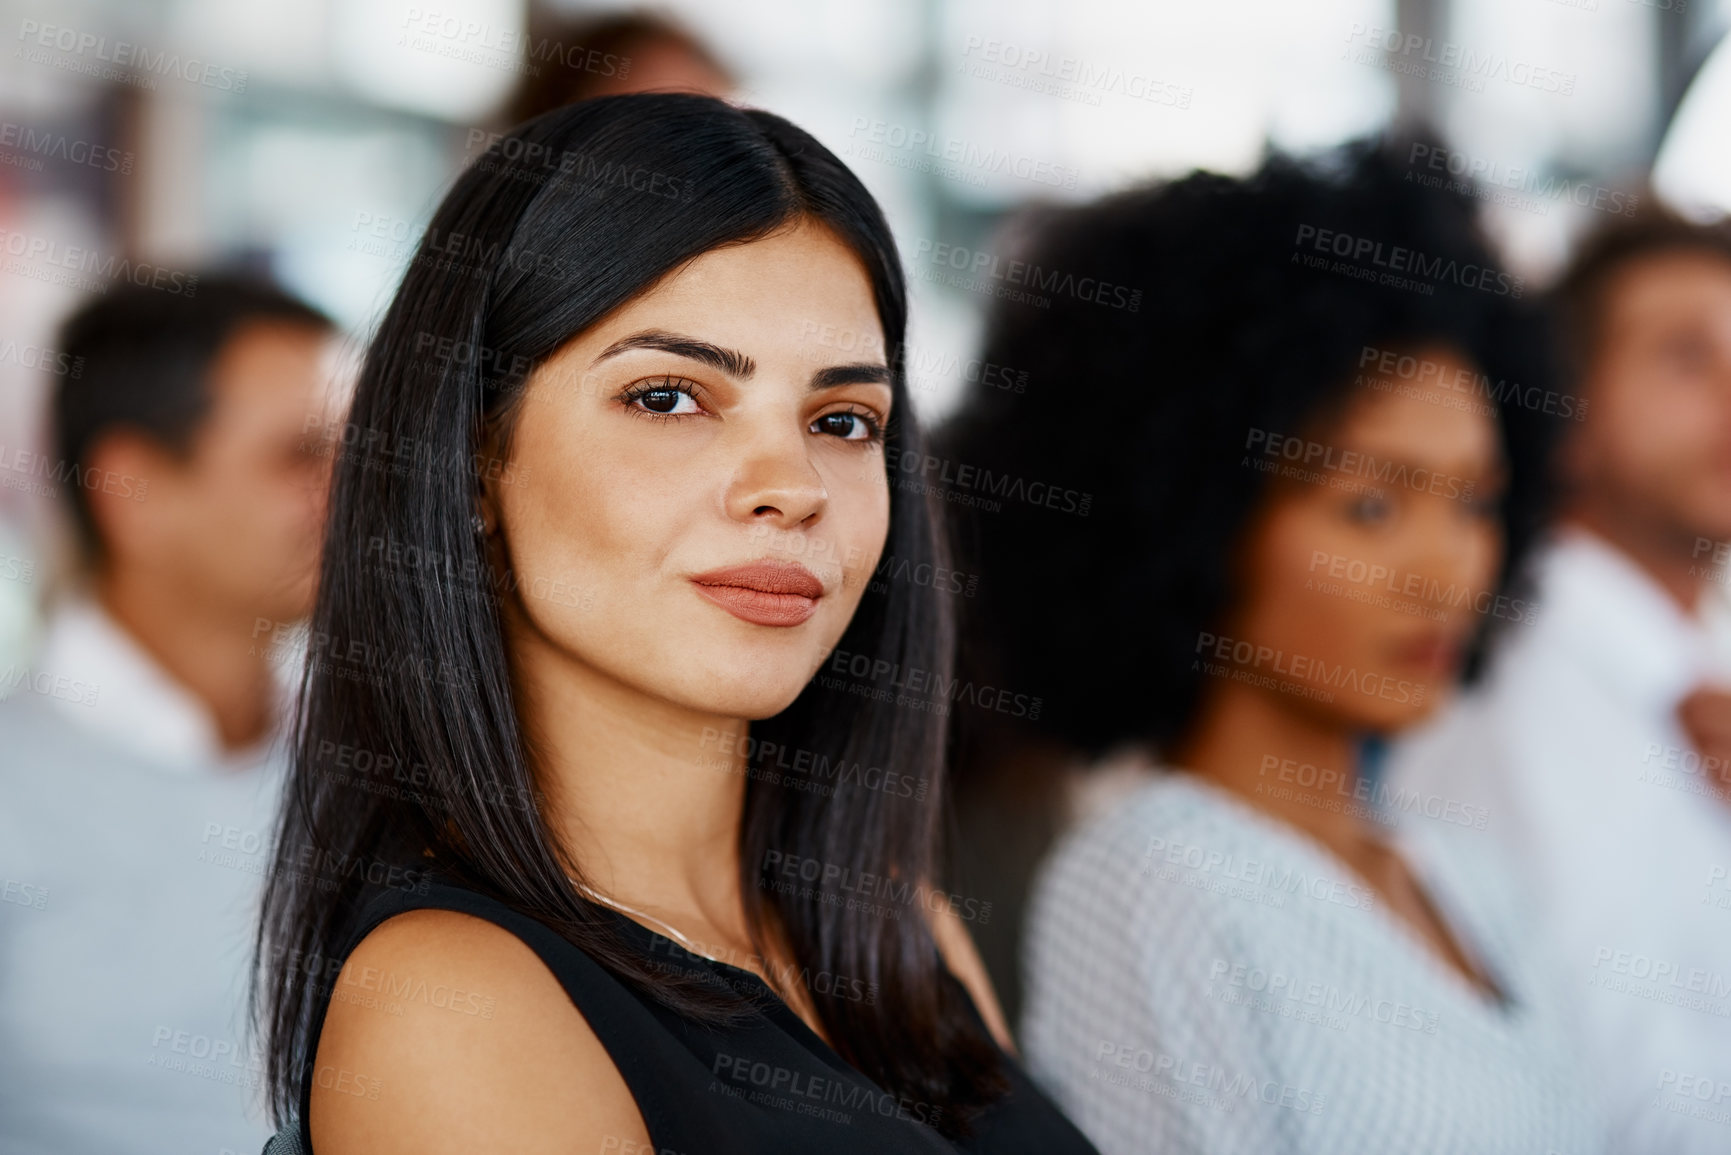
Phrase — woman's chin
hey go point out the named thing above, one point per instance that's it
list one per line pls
(744, 695)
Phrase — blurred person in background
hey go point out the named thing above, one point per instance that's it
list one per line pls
(1300, 521)
(1596, 744)
(140, 768)
(575, 58)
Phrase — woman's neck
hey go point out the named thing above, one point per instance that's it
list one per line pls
(1299, 767)
(646, 796)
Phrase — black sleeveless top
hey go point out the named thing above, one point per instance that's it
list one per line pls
(764, 1086)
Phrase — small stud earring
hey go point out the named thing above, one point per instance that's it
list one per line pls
(479, 522)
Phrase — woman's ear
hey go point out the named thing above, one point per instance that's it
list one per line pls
(494, 473)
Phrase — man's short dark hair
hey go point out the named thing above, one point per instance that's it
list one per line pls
(145, 358)
(1581, 294)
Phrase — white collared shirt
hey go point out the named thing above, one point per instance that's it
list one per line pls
(103, 681)
(132, 848)
(1572, 747)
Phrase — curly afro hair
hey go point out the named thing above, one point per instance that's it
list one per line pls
(1146, 411)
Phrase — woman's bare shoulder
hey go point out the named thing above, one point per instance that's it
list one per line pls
(447, 1034)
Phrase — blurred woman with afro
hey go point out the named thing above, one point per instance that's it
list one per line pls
(1311, 480)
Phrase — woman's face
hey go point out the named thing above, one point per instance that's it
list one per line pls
(697, 430)
(1374, 557)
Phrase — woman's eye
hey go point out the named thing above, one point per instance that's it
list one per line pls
(1485, 506)
(847, 425)
(1686, 354)
(1370, 509)
(666, 400)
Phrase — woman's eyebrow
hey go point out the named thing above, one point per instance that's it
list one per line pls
(729, 361)
(864, 373)
(737, 364)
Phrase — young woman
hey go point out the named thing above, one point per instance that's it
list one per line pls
(1315, 460)
(579, 855)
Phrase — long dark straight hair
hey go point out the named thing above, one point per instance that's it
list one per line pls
(408, 753)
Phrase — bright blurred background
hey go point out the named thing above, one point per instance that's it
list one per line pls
(311, 138)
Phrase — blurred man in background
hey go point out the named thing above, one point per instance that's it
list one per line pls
(1585, 742)
(140, 744)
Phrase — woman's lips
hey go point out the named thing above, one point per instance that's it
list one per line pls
(763, 593)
